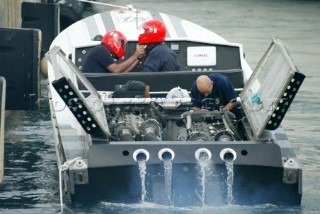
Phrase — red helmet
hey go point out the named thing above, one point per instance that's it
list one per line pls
(116, 42)
(154, 31)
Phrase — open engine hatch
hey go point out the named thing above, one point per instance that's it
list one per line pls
(271, 88)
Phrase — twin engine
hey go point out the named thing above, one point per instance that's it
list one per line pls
(152, 122)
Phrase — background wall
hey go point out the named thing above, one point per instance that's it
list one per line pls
(10, 13)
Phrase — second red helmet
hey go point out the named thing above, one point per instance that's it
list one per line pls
(153, 31)
(115, 41)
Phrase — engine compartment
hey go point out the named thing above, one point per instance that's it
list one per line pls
(155, 121)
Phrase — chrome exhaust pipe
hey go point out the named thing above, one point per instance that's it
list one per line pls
(228, 155)
(203, 154)
(140, 155)
(166, 154)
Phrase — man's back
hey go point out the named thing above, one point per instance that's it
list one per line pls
(161, 58)
(97, 60)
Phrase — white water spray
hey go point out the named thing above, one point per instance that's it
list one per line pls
(168, 178)
(143, 171)
(203, 157)
(142, 156)
(229, 166)
(205, 170)
(167, 155)
(228, 156)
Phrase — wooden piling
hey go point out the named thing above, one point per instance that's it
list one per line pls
(10, 17)
(2, 119)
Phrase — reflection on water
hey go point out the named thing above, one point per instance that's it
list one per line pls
(31, 176)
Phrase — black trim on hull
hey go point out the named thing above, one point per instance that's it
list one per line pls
(252, 185)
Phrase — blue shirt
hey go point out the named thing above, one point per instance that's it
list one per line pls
(222, 93)
(160, 58)
(97, 60)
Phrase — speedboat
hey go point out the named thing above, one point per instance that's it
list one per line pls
(148, 145)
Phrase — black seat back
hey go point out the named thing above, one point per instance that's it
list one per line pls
(160, 81)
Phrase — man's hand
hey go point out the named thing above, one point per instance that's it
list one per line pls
(129, 64)
(199, 109)
(140, 52)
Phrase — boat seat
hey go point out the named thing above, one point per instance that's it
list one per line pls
(159, 81)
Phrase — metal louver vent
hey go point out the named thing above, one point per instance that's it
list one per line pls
(283, 105)
(77, 106)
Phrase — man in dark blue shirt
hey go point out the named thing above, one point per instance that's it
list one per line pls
(102, 58)
(213, 92)
(159, 56)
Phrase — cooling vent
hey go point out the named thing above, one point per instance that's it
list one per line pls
(284, 103)
(78, 107)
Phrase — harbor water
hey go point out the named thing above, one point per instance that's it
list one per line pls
(31, 181)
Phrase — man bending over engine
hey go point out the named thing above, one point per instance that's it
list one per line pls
(213, 92)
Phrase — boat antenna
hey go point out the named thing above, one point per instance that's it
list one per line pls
(130, 7)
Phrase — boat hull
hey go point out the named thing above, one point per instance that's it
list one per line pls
(251, 185)
(114, 176)
(99, 137)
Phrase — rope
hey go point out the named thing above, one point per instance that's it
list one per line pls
(130, 7)
(63, 168)
(256, 99)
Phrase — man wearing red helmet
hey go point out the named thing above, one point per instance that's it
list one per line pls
(103, 57)
(159, 56)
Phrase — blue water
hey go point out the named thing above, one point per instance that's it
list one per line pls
(31, 175)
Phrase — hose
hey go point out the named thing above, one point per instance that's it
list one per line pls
(157, 112)
(230, 124)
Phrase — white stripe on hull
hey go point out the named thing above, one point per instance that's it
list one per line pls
(123, 22)
(101, 27)
(169, 26)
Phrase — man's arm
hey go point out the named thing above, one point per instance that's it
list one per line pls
(196, 108)
(194, 96)
(123, 66)
(199, 109)
(132, 66)
(231, 105)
